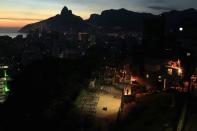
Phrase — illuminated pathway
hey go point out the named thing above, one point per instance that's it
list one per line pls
(105, 117)
(93, 103)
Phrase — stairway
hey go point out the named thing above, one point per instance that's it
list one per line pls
(2, 94)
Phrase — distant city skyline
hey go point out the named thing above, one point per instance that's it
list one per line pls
(17, 13)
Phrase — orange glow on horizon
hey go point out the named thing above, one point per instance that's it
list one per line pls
(7, 19)
(17, 20)
(19, 17)
(14, 23)
(19, 23)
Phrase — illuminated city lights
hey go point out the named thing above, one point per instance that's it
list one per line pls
(188, 54)
(181, 29)
(169, 71)
(147, 75)
(179, 72)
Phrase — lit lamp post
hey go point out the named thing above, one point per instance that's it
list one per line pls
(6, 89)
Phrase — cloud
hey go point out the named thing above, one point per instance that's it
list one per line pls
(158, 1)
(26, 19)
(161, 8)
(143, 2)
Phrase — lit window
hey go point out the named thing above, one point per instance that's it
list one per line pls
(179, 72)
(169, 71)
(188, 54)
(127, 91)
(147, 75)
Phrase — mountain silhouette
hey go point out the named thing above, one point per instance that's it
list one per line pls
(61, 22)
(186, 19)
(122, 19)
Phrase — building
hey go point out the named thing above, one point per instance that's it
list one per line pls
(173, 74)
(83, 36)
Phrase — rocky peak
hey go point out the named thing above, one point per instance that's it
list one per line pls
(190, 10)
(65, 11)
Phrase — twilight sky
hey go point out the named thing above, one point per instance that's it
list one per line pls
(17, 13)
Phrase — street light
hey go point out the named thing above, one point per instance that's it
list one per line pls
(181, 29)
(147, 76)
(179, 71)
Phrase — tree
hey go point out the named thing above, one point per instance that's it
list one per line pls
(42, 96)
